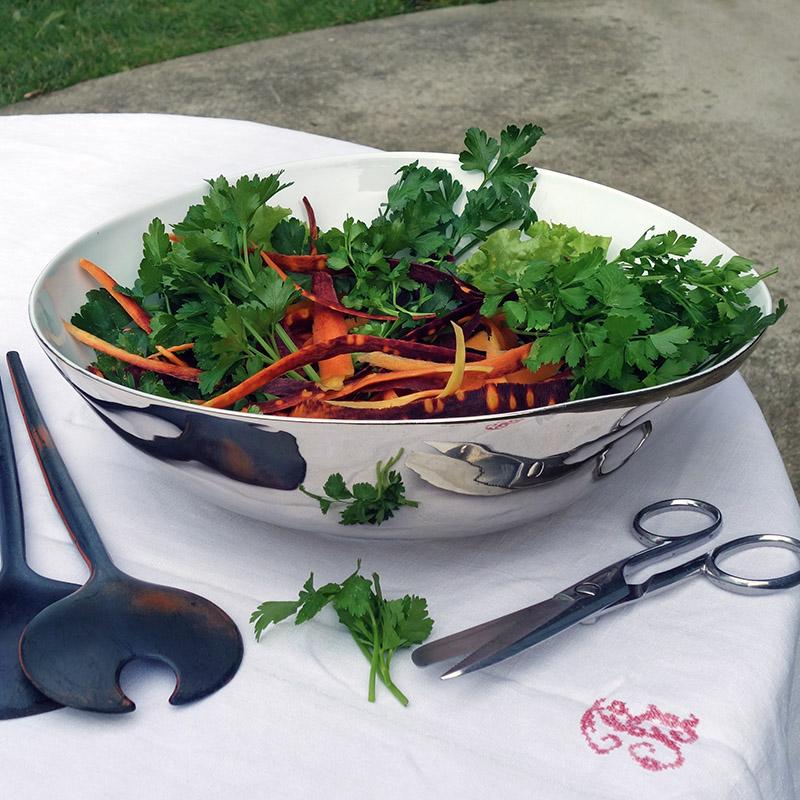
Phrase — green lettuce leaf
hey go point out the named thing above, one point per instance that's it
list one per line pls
(505, 251)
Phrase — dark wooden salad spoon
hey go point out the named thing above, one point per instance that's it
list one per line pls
(74, 650)
(23, 592)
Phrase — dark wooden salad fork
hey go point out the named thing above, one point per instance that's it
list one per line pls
(74, 650)
(23, 592)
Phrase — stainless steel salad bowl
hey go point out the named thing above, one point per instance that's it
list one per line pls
(470, 475)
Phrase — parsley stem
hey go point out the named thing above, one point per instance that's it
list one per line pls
(244, 288)
(483, 236)
(389, 683)
(287, 340)
(270, 351)
(373, 670)
(245, 264)
(376, 655)
(367, 654)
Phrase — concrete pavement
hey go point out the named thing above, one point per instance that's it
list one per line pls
(693, 106)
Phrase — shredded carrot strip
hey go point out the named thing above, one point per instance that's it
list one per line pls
(184, 373)
(351, 343)
(303, 263)
(484, 341)
(457, 375)
(170, 356)
(377, 378)
(177, 348)
(506, 361)
(312, 227)
(524, 375)
(394, 403)
(326, 325)
(504, 336)
(135, 311)
(334, 304)
(297, 312)
(395, 363)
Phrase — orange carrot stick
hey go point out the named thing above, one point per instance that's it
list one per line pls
(506, 361)
(327, 325)
(297, 312)
(135, 311)
(170, 356)
(504, 336)
(151, 365)
(177, 348)
(524, 375)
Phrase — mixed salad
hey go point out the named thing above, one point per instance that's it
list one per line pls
(425, 311)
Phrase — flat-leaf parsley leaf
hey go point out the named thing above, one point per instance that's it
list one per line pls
(366, 503)
(378, 626)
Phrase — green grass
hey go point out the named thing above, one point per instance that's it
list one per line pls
(49, 44)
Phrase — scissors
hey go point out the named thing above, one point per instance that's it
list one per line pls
(608, 589)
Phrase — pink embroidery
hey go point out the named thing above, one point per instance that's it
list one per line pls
(606, 726)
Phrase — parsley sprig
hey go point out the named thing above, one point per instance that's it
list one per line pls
(422, 219)
(378, 626)
(647, 317)
(366, 503)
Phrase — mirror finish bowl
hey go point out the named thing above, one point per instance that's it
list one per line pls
(546, 458)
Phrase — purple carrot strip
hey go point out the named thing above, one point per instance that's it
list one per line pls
(429, 328)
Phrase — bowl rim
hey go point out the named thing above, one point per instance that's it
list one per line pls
(685, 385)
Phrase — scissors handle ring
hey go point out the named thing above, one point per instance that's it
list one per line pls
(649, 538)
(736, 583)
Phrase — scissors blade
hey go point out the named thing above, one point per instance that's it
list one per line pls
(463, 642)
(565, 611)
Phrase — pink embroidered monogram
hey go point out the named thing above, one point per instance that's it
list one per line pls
(657, 736)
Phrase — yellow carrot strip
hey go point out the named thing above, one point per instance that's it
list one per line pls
(135, 311)
(394, 403)
(396, 363)
(457, 375)
(151, 365)
(384, 377)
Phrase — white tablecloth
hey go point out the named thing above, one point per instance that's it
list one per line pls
(295, 721)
